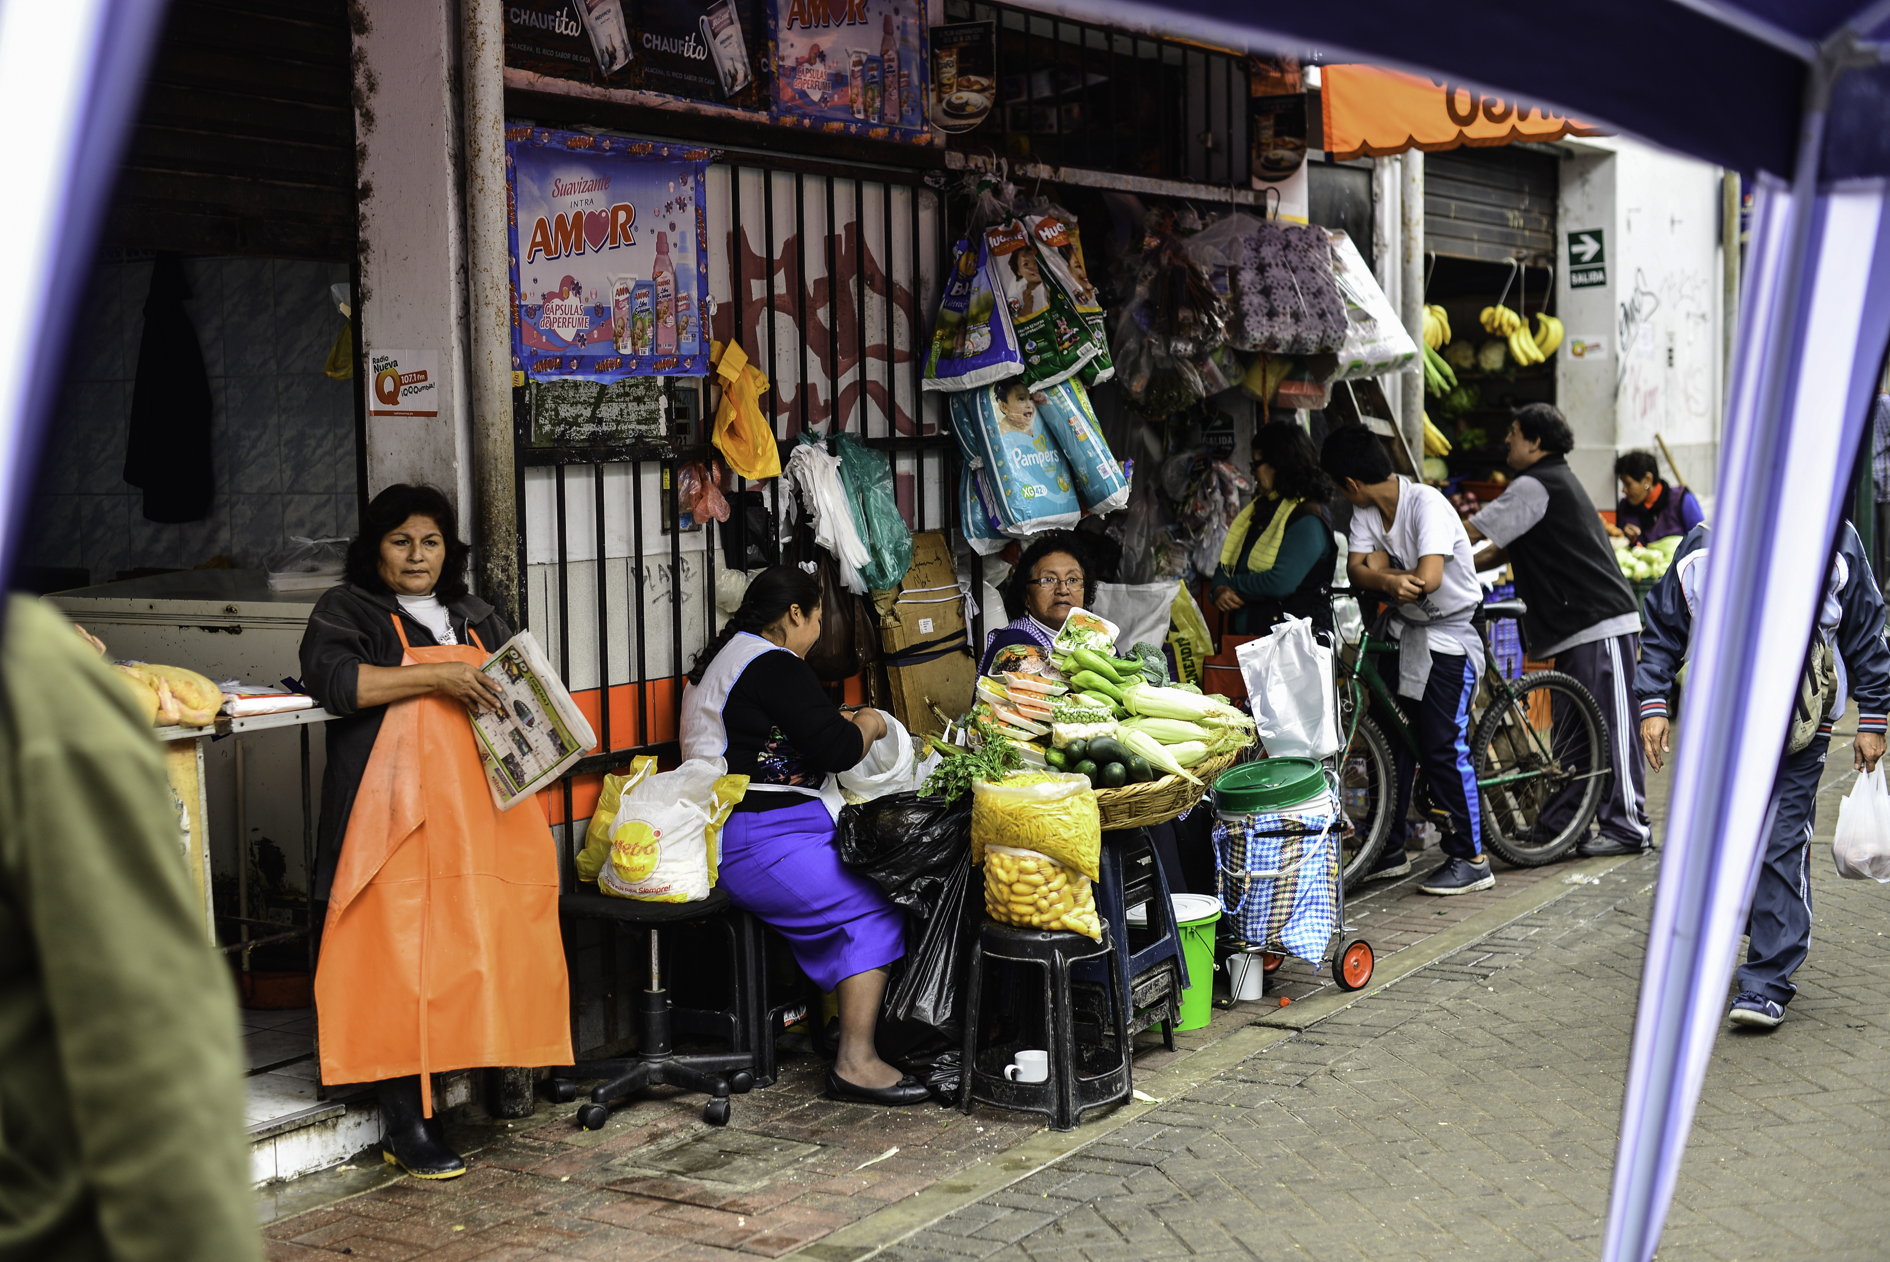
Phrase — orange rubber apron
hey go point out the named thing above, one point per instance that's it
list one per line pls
(441, 950)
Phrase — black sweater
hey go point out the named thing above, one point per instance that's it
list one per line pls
(784, 729)
(350, 627)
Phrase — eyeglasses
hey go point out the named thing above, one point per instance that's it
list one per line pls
(1051, 583)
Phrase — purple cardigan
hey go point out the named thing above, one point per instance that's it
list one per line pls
(1674, 512)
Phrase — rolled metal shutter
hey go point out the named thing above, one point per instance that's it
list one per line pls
(1492, 205)
(245, 140)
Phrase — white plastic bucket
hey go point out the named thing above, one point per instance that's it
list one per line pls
(1246, 975)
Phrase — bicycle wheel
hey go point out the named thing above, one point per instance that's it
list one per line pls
(1542, 765)
(1368, 790)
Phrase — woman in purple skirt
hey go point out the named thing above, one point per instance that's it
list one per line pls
(754, 702)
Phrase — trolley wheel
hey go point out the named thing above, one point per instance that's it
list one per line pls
(1269, 961)
(592, 1117)
(1352, 967)
(562, 1090)
(716, 1111)
(741, 1082)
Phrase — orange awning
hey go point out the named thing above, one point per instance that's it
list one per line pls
(1372, 112)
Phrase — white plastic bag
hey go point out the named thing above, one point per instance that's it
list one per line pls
(665, 842)
(1141, 610)
(1861, 847)
(1375, 340)
(307, 564)
(889, 766)
(1289, 682)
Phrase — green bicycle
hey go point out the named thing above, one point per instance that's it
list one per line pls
(1531, 739)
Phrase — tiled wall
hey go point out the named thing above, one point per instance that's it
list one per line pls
(283, 431)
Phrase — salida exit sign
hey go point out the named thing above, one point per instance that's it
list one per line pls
(1587, 259)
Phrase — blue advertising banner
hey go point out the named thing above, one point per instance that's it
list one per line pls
(856, 66)
(609, 277)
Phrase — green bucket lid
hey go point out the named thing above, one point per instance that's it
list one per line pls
(1268, 785)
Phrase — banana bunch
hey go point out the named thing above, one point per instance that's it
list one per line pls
(1439, 377)
(1523, 348)
(1436, 326)
(1435, 444)
(1548, 333)
(1501, 321)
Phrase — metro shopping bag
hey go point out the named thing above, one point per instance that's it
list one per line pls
(1289, 680)
(1861, 846)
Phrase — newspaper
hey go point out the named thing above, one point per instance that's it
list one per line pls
(540, 734)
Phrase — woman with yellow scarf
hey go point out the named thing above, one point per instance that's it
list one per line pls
(1279, 554)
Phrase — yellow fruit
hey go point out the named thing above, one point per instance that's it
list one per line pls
(196, 699)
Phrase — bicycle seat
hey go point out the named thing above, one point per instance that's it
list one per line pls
(1495, 609)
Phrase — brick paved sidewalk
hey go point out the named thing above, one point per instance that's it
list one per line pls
(790, 1169)
(1470, 1111)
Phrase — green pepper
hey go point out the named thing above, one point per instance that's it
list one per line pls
(1101, 663)
(1099, 701)
(1090, 681)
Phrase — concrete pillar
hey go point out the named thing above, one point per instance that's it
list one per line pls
(489, 371)
(1411, 297)
(412, 237)
(1388, 252)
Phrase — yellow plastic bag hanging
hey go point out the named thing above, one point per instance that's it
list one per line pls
(1187, 618)
(742, 434)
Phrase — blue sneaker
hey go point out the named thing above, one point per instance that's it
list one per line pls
(1459, 876)
(1756, 1010)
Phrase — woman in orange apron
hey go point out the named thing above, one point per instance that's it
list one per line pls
(440, 946)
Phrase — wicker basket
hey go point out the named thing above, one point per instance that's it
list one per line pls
(1158, 801)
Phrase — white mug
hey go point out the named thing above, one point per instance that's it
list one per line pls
(1029, 1067)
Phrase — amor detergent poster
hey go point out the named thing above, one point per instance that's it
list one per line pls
(609, 277)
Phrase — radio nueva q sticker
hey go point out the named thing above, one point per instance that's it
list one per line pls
(403, 383)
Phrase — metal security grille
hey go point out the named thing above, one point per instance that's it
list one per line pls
(827, 277)
(1073, 94)
(1492, 205)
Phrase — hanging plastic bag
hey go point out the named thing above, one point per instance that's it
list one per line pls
(697, 495)
(308, 564)
(1288, 674)
(1060, 253)
(1191, 623)
(1861, 846)
(973, 343)
(867, 475)
(1141, 610)
(742, 434)
(1033, 485)
(1375, 341)
(1286, 297)
(1051, 336)
(815, 478)
(664, 841)
(1066, 414)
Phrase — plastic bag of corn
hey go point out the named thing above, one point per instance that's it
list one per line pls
(1034, 891)
(1052, 812)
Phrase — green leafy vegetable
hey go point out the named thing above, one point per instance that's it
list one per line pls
(960, 767)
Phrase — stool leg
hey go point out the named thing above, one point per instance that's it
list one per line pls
(1122, 1033)
(974, 986)
(1062, 1040)
(1110, 870)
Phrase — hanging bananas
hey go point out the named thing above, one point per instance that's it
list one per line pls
(1548, 333)
(1436, 326)
(1501, 321)
(1435, 444)
(1439, 377)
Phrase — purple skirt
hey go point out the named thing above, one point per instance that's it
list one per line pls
(782, 866)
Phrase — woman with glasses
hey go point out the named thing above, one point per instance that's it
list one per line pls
(1051, 578)
(1279, 554)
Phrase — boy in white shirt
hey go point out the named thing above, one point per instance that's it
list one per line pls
(1408, 545)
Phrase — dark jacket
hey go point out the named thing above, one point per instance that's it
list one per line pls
(1565, 567)
(1668, 618)
(1674, 510)
(350, 626)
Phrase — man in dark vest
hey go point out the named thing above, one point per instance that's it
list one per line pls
(1582, 613)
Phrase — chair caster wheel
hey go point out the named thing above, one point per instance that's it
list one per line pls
(562, 1090)
(716, 1111)
(741, 1082)
(592, 1117)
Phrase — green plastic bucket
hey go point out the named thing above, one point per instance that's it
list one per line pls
(1195, 917)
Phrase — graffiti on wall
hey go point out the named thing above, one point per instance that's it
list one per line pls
(1663, 381)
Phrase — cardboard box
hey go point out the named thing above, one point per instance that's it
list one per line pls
(927, 659)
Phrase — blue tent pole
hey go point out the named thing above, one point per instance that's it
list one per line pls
(1812, 335)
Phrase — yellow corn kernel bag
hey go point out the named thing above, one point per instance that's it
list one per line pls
(1033, 891)
(1052, 812)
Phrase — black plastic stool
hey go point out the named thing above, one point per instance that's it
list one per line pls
(1067, 1093)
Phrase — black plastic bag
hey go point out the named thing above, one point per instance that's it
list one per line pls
(748, 536)
(910, 845)
(920, 1021)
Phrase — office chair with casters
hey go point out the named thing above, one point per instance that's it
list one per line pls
(719, 1074)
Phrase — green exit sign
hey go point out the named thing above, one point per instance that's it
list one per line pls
(1587, 259)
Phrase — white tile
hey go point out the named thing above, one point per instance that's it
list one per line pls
(277, 1095)
(268, 1046)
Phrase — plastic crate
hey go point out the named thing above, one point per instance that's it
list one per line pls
(1505, 635)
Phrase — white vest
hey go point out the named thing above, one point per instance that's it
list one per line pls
(705, 734)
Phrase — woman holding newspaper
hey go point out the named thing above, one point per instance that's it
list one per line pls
(440, 947)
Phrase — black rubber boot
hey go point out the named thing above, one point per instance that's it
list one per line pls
(414, 1143)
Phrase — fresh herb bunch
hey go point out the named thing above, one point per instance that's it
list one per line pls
(960, 767)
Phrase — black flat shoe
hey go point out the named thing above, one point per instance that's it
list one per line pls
(908, 1090)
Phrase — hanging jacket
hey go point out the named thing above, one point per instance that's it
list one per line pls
(167, 449)
(1850, 614)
